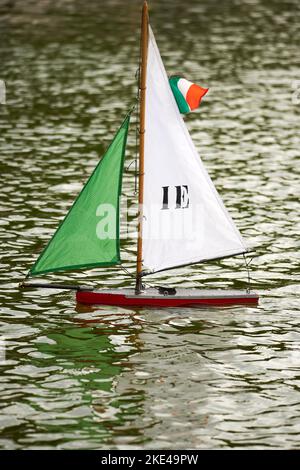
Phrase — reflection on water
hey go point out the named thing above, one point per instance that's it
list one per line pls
(76, 377)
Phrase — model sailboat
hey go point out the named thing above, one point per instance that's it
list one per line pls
(182, 219)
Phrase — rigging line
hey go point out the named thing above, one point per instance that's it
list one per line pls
(131, 111)
(146, 284)
(22, 283)
(247, 263)
(126, 271)
(130, 165)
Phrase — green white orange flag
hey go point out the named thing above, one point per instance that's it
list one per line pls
(187, 95)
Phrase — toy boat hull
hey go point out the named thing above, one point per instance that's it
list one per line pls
(183, 298)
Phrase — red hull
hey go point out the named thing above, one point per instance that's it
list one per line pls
(184, 298)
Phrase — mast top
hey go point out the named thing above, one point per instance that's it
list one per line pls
(145, 10)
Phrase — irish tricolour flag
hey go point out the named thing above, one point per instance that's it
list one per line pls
(187, 94)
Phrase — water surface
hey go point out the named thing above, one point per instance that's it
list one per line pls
(77, 378)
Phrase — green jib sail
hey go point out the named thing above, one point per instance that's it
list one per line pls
(89, 234)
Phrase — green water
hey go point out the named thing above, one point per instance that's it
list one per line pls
(77, 378)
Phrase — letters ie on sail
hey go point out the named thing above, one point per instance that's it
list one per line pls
(89, 234)
(185, 220)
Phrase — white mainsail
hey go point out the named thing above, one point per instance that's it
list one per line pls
(185, 220)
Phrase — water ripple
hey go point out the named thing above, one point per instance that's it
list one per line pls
(76, 377)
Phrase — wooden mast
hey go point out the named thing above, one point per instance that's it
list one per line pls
(142, 86)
